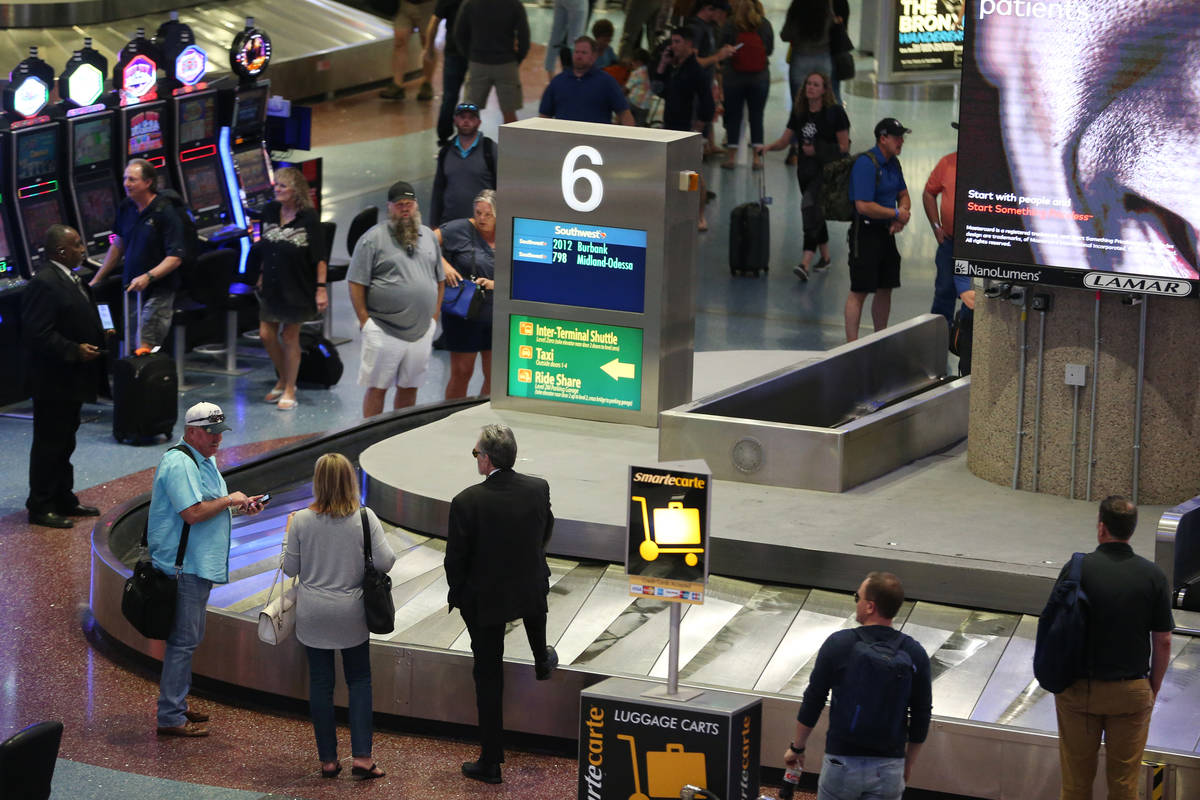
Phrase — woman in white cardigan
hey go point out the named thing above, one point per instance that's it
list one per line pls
(325, 548)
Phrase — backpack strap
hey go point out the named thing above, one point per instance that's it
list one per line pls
(489, 155)
(183, 535)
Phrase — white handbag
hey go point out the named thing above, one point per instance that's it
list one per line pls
(278, 617)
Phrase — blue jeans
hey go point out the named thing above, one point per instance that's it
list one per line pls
(944, 295)
(570, 22)
(191, 603)
(860, 778)
(800, 67)
(454, 72)
(749, 90)
(356, 664)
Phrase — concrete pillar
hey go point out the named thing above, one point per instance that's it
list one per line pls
(1170, 444)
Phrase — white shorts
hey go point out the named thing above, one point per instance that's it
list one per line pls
(389, 361)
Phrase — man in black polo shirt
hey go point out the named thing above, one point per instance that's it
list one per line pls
(150, 237)
(1129, 645)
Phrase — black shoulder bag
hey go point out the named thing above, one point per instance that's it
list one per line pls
(376, 588)
(148, 600)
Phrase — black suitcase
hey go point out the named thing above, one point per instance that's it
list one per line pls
(750, 234)
(320, 364)
(145, 394)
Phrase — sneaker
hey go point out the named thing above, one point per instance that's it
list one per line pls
(549, 662)
(800, 272)
(393, 92)
(822, 264)
(425, 92)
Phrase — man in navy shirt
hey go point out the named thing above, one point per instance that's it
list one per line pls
(586, 93)
(881, 210)
(150, 237)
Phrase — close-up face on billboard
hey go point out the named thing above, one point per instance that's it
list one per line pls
(1078, 139)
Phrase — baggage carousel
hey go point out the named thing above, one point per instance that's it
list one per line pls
(758, 631)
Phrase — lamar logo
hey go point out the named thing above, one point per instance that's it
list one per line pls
(1114, 282)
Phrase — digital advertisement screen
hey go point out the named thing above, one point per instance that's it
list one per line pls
(197, 119)
(145, 133)
(37, 154)
(252, 170)
(38, 215)
(1076, 145)
(575, 362)
(5, 251)
(97, 206)
(93, 142)
(928, 36)
(251, 108)
(572, 264)
(203, 185)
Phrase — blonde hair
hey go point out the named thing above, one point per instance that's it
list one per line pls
(335, 486)
(294, 179)
(747, 14)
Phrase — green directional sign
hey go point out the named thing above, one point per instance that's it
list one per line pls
(574, 362)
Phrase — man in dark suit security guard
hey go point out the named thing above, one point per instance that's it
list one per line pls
(63, 339)
(496, 569)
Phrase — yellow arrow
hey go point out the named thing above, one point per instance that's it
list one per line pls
(618, 369)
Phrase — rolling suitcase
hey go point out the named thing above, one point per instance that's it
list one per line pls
(145, 392)
(750, 234)
(320, 364)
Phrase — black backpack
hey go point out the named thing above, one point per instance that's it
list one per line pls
(1060, 655)
(870, 705)
(835, 186)
(191, 236)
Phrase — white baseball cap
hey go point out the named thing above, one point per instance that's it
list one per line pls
(208, 416)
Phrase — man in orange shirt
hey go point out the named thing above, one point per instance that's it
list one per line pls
(941, 218)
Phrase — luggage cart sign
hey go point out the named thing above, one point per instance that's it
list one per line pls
(667, 530)
(632, 751)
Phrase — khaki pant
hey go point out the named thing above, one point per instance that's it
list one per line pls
(1118, 709)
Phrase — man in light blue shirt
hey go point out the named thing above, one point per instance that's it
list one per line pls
(189, 492)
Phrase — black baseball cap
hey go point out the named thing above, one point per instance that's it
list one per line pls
(890, 126)
(401, 190)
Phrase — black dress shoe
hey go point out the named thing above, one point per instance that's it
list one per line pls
(544, 667)
(481, 771)
(80, 510)
(49, 519)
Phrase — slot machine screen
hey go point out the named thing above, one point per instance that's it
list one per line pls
(197, 119)
(203, 185)
(97, 206)
(39, 215)
(145, 132)
(251, 108)
(93, 142)
(37, 154)
(8, 267)
(252, 170)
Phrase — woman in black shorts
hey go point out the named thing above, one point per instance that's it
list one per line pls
(469, 253)
(291, 288)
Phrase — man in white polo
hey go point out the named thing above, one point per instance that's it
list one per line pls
(396, 284)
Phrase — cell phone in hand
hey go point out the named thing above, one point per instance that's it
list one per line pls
(266, 498)
(738, 46)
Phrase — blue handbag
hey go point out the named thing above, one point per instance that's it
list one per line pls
(463, 300)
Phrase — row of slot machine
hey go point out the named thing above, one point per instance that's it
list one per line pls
(63, 162)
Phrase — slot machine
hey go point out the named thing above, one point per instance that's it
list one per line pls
(32, 159)
(143, 127)
(242, 143)
(92, 175)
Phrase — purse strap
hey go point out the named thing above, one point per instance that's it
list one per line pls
(279, 569)
(183, 535)
(362, 515)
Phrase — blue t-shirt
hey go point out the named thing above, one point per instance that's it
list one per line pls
(147, 237)
(592, 97)
(180, 483)
(864, 187)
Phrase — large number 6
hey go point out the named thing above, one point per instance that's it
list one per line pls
(572, 176)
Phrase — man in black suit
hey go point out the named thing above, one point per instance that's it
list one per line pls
(497, 572)
(63, 339)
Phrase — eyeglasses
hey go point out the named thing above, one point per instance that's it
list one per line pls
(475, 453)
(211, 419)
(466, 107)
(856, 597)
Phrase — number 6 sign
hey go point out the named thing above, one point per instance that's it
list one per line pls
(572, 176)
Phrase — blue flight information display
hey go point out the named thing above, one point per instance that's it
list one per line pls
(595, 266)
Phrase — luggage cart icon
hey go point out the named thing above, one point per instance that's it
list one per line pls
(675, 526)
(667, 771)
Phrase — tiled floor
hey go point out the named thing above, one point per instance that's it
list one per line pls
(48, 669)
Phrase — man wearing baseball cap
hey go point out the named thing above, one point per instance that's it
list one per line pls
(881, 210)
(190, 494)
(396, 283)
(466, 165)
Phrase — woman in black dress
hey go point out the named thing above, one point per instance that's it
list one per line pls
(822, 130)
(291, 287)
(469, 253)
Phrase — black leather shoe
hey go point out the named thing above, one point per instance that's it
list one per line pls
(481, 771)
(49, 519)
(80, 510)
(543, 668)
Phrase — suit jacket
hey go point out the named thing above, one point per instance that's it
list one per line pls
(55, 319)
(496, 547)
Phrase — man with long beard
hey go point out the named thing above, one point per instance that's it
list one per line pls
(396, 284)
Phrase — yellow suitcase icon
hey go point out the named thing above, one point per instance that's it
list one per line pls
(676, 530)
(670, 770)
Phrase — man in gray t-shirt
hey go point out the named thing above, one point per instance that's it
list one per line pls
(396, 283)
